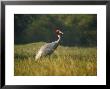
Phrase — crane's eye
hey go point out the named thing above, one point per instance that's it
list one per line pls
(57, 31)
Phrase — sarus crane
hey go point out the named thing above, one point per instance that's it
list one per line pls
(49, 48)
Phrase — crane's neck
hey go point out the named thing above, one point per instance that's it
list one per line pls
(59, 38)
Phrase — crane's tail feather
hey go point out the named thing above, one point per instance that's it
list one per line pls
(38, 55)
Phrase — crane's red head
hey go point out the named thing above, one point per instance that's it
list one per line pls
(58, 32)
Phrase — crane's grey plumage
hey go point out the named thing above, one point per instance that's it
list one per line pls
(49, 48)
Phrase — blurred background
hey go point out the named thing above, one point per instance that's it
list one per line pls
(78, 29)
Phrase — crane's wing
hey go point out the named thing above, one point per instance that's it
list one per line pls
(48, 48)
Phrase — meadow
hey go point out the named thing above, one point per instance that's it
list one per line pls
(65, 61)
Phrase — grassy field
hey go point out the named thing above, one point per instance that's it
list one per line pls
(65, 61)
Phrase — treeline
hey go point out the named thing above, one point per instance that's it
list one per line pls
(78, 29)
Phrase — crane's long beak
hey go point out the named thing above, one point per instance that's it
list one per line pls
(61, 32)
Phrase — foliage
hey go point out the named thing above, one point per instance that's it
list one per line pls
(79, 29)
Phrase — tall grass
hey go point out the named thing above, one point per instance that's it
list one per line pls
(65, 61)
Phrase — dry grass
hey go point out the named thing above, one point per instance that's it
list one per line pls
(66, 61)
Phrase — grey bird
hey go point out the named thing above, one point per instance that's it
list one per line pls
(49, 48)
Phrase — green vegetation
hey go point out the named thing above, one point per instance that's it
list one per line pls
(65, 61)
(78, 29)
